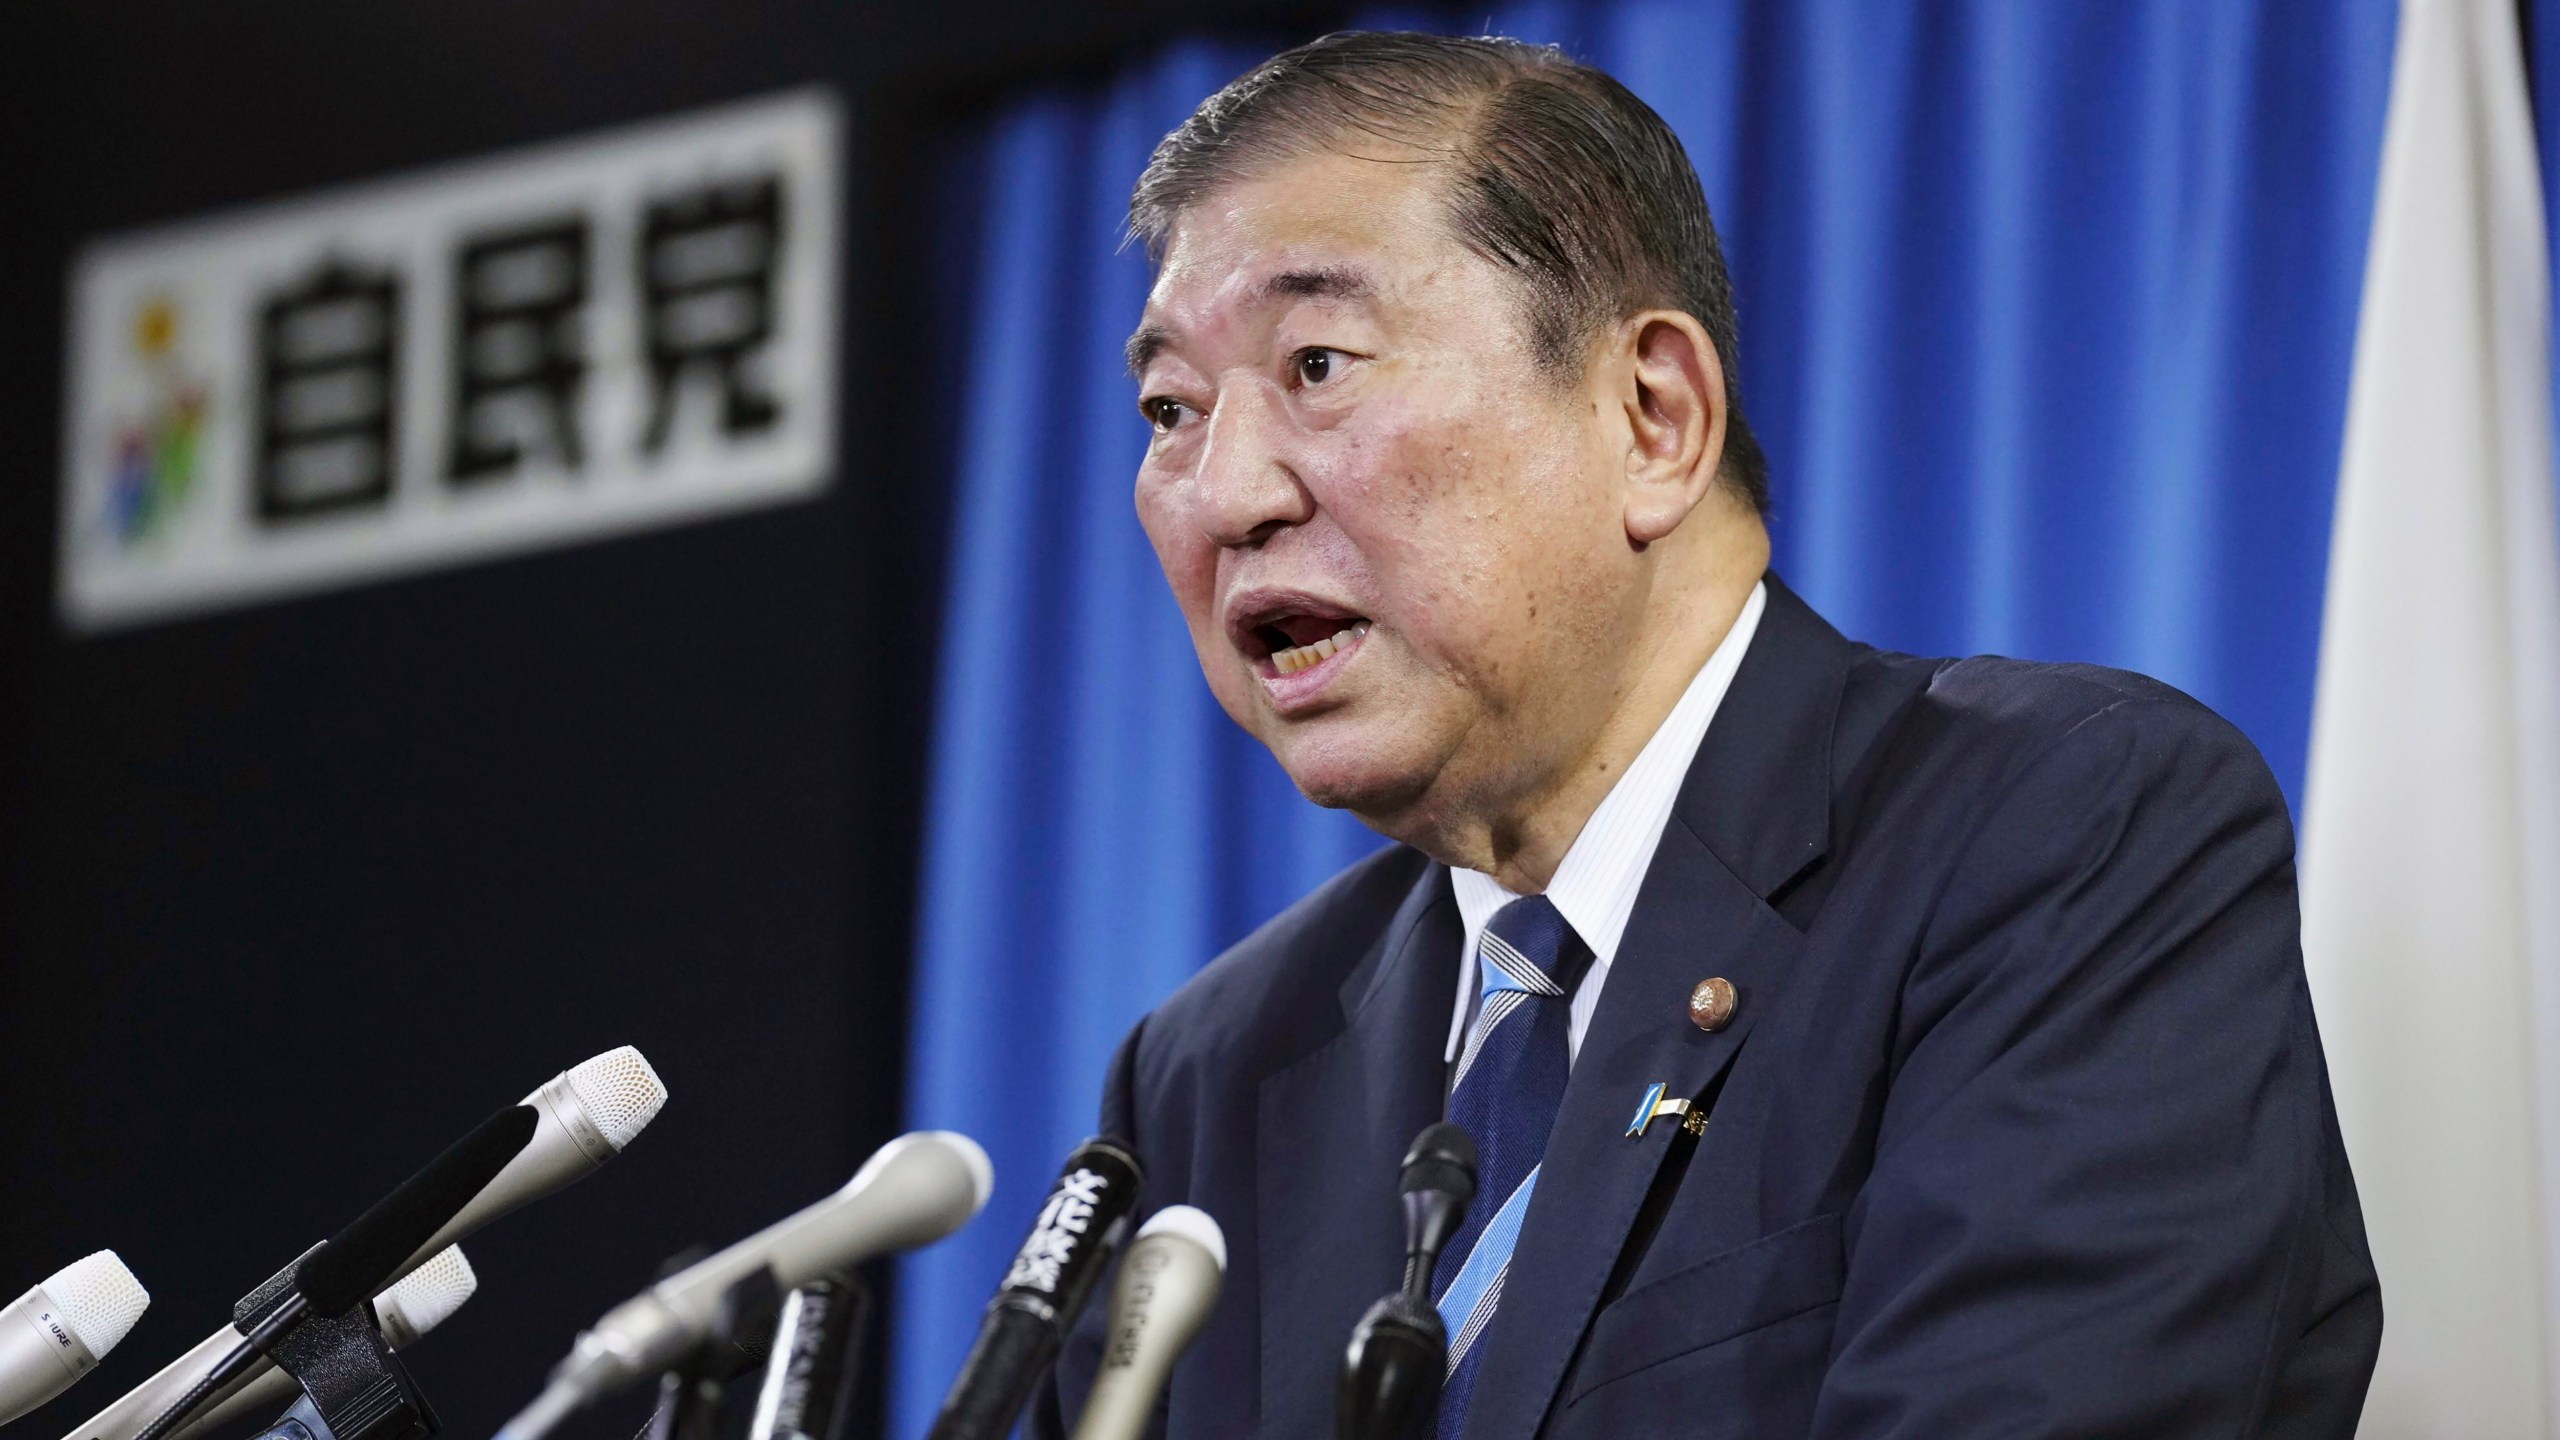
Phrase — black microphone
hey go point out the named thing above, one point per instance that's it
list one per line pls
(1399, 1351)
(1079, 1230)
(339, 1274)
(352, 1264)
(808, 1383)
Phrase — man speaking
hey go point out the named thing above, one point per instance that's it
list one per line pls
(2005, 1113)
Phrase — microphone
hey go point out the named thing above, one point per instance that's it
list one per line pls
(339, 1273)
(1399, 1352)
(425, 1297)
(418, 1304)
(59, 1330)
(913, 1191)
(808, 1384)
(1168, 1284)
(1083, 1223)
(584, 1116)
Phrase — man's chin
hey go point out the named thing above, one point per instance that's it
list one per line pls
(1339, 773)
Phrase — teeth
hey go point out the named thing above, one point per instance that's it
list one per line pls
(1299, 657)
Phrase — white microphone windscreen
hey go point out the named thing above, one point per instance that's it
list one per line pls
(427, 1296)
(99, 1298)
(620, 1093)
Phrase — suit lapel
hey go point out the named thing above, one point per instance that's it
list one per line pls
(1753, 813)
(1332, 1130)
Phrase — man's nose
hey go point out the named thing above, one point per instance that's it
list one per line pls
(1246, 488)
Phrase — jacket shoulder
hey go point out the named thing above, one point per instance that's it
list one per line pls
(2024, 696)
(2020, 709)
(1939, 749)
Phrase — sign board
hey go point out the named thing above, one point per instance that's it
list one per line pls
(630, 329)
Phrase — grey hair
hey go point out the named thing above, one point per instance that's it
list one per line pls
(1559, 173)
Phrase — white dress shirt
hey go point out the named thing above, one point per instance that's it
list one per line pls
(1595, 884)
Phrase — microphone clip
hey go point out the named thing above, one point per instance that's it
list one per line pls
(353, 1387)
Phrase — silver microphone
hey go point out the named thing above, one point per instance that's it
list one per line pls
(913, 1191)
(407, 1310)
(584, 1116)
(60, 1330)
(1169, 1282)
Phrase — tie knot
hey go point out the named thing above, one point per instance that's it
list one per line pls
(1528, 946)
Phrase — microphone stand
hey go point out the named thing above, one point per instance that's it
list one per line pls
(353, 1387)
(691, 1391)
(688, 1405)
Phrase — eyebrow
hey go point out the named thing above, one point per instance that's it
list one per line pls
(1145, 345)
(1329, 283)
(1339, 282)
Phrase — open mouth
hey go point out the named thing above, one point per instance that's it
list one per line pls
(1299, 656)
(1298, 638)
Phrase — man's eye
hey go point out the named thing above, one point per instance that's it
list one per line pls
(1317, 364)
(1162, 413)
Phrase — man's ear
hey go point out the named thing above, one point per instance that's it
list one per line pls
(1673, 392)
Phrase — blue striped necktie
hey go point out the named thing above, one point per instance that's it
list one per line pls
(1509, 1084)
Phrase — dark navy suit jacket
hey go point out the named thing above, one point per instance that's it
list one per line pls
(2021, 1126)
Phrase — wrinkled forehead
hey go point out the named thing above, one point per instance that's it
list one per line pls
(1341, 228)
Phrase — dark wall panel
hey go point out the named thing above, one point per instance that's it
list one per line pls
(313, 890)
(298, 892)
(292, 895)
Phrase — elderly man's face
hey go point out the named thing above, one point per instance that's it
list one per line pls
(1400, 545)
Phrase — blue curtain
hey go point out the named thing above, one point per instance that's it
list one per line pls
(2047, 317)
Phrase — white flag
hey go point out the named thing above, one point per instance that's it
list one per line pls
(2431, 845)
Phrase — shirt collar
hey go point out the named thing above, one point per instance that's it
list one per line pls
(1595, 885)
